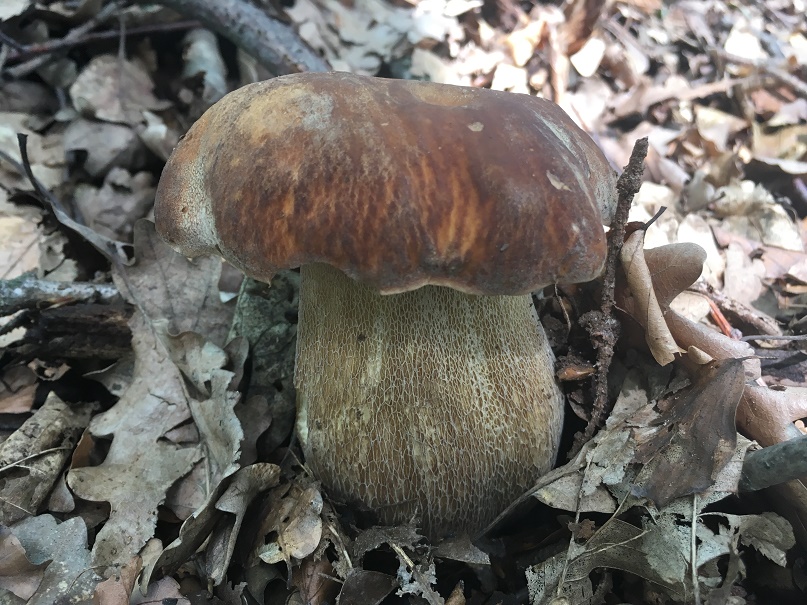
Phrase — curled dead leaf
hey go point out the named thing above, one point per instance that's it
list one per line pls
(644, 306)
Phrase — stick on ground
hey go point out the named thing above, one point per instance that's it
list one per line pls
(602, 325)
(773, 465)
(274, 44)
(28, 292)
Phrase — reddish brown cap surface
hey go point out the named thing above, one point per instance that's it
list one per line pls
(397, 183)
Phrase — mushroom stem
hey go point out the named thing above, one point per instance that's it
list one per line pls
(432, 404)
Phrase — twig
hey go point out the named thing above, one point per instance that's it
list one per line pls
(773, 465)
(33, 456)
(717, 316)
(23, 69)
(603, 327)
(784, 77)
(24, 52)
(273, 44)
(737, 311)
(774, 337)
(6, 39)
(27, 292)
(627, 186)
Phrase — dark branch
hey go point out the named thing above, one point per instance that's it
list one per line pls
(273, 44)
(773, 465)
(602, 325)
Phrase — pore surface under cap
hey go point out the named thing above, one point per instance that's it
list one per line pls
(397, 183)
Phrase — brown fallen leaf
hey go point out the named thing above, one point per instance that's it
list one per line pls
(18, 248)
(17, 574)
(218, 520)
(18, 386)
(118, 589)
(365, 587)
(149, 453)
(718, 346)
(32, 458)
(660, 551)
(696, 437)
(314, 579)
(457, 597)
(114, 208)
(581, 18)
(114, 89)
(296, 520)
(164, 590)
(105, 145)
(60, 548)
(767, 415)
(141, 465)
(673, 269)
(166, 285)
(641, 301)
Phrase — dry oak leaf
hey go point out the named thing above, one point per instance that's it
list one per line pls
(141, 465)
(697, 435)
(17, 574)
(363, 587)
(223, 512)
(296, 520)
(115, 90)
(660, 552)
(32, 458)
(166, 285)
(61, 548)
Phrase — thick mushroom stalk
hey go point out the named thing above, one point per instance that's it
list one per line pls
(433, 404)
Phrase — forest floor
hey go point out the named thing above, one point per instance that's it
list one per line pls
(146, 412)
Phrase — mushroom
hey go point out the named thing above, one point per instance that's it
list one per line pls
(421, 216)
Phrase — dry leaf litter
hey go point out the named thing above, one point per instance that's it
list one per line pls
(147, 449)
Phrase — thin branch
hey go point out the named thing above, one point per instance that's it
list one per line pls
(25, 52)
(774, 337)
(739, 312)
(18, 463)
(765, 67)
(274, 44)
(603, 327)
(27, 292)
(108, 11)
(6, 39)
(773, 465)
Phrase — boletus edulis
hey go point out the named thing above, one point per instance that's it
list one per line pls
(421, 216)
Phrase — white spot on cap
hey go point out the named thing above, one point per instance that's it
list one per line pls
(476, 126)
(556, 182)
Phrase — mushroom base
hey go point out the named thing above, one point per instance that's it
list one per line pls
(432, 405)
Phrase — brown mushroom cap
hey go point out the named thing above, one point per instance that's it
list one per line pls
(397, 183)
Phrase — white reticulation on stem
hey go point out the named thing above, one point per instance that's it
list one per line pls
(433, 404)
